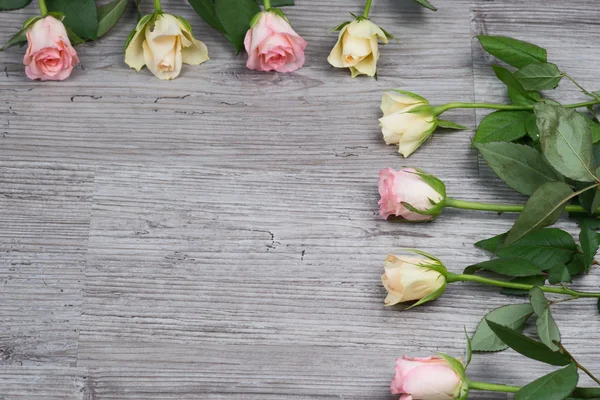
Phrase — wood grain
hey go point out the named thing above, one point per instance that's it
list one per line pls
(216, 237)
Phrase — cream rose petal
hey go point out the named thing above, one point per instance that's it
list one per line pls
(366, 29)
(336, 56)
(195, 54)
(367, 66)
(172, 58)
(355, 49)
(134, 54)
(397, 123)
(414, 136)
(393, 102)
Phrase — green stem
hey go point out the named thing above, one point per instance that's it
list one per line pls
(491, 387)
(581, 367)
(43, 8)
(367, 9)
(267, 4)
(473, 205)
(592, 95)
(451, 277)
(580, 393)
(437, 110)
(157, 6)
(586, 393)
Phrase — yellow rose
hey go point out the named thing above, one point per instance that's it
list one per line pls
(402, 123)
(357, 47)
(163, 44)
(412, 279)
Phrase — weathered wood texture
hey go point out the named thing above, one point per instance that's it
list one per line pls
(216, 237)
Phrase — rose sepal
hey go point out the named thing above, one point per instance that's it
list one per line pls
(429, 297)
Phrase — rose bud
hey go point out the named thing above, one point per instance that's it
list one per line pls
(163, 42)
(411, 194)
(272, 44)
(357, 47)
(49, 55)
(420, 279)
(408, 120)
(431, 378)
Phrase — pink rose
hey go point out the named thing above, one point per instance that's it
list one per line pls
(50, 56)
(430, 378)
(408, 187)
(273, 45)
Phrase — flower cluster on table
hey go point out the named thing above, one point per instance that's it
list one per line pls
(541, 148)
(163, 42)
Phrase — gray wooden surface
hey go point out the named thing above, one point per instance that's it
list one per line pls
(216, 237)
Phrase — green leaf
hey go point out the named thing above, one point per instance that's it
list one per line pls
(80, 16)
(559, 273)
(502, 126)
(577, 265)
(6, 5)
(235, 16)
(19, 38)
(590, 241)
(469, 350)
(516, 91)
(492, 244)
(506, 266)
(544, 248)
(340, 27)
(598, 305)
(547, 329)
(556, 385)
(206, 10)
(566, 141)
(520, 167)
(109, 14)
(442, 123)
(537, 280)
(426, 4)
(514, 316)
(594, 127)
(532, 129)
(528, 347)
(543, 208)
(512, 51)
(279, 3)
(539, 76)
(538, 300)
(589, 200)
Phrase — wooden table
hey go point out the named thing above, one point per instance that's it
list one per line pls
(217, 236)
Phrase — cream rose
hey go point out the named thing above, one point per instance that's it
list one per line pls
(403, 123)
(412, 279)
(163, 43)
(357, 47)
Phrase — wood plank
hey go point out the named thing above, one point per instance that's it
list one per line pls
(43, 383)
(44, 226)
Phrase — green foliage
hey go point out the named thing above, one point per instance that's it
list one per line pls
(556, 385)
(543, 208)
(450, 125)
(7, 5)
(235, 16)
(536, 280)
(81, 16)
(109, 14)
(520, 167)
(566, 141)
(539, 76)
(590, 241)
(516, 91)
(506, 266)
(544, 248)
(528, 347)
(512, 51)
(513, 316)
(547, 329)
(426, 4)
(492, 244)
(502, 126)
